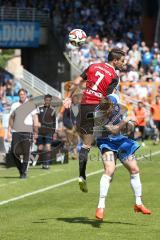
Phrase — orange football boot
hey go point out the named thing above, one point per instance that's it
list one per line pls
(100, 213)
(141, 208)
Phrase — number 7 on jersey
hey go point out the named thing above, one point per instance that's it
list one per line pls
(99, 79)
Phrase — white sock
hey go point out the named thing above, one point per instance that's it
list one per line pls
(104, 186)
(137, 187)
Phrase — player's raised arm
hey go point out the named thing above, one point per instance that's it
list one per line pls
(78, 80)
(67, 101)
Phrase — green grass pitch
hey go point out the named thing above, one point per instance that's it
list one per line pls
(64, 213)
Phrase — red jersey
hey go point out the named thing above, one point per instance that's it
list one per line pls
(101, 79)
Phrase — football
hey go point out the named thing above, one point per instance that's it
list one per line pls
(77, 37)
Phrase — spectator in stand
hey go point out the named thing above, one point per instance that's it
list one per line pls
(9, 89)
(156, 77)
(155, 110)
(2, 85)
(142, 47)
(16, 87)
(133, 75)
(155, 48)
(147, 58)
(157, 67)
(1, 106)
(135, 56)
(141, 91)
(140, 114)
(2, 136)
(152, 131)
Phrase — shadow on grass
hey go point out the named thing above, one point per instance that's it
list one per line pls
(9, 177)
(84, 220)
(93, 222)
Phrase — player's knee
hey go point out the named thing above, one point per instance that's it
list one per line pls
(134, 170)
(109, 163)
(109, 170)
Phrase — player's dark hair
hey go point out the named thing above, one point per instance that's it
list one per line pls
(47, 96)
(115, 53)
(106, 105)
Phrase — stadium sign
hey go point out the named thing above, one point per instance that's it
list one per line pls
(19, 34)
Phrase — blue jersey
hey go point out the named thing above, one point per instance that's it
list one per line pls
(120, 144)
(114, 117)
(101, 119)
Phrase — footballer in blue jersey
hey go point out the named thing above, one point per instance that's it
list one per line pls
(112, 133)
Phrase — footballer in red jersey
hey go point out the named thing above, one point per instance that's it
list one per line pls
(101, 80)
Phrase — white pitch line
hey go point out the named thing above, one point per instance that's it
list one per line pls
(34, 176)
(64, 183)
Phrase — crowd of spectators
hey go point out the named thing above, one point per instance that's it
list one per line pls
(9, 88)
(94, 16)
(45, 5)
(115, 19)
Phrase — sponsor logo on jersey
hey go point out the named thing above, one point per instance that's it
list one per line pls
(103, 69)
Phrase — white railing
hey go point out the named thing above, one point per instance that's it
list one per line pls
(38, 85)
(24, 14)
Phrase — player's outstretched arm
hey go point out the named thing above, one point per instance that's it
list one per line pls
(68, 100)
(116, 129)
(78, 80)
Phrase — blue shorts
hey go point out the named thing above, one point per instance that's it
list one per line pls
(44, 139)
(121, 145)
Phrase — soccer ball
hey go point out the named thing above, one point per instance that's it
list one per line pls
(77, 37)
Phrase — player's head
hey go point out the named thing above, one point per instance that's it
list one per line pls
(109, 103)
(108, 110)
(114, 98)
(116, 58)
